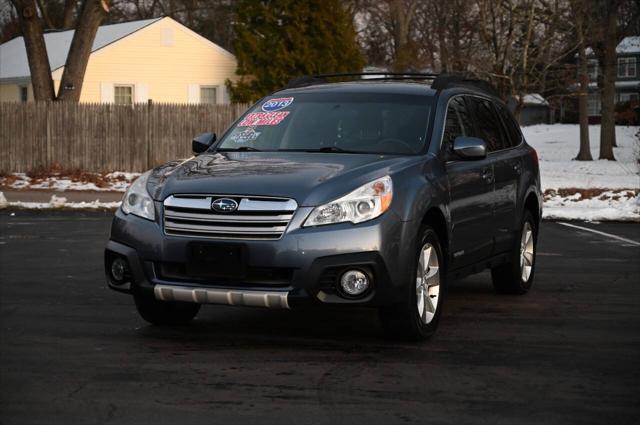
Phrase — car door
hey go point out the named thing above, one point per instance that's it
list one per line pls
(507, 166)
(470, 192)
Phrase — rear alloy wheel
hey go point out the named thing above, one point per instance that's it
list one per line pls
(417, 318)
(516, 276)
(526, 252)
(159, 312)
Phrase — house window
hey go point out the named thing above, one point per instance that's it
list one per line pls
(24, 93)
(593, 104)
(592, 69)
(626, 97)
(626, 67)
(123, 95)
(208, 95)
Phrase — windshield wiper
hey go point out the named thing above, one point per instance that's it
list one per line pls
(330, 149)
(240, 149)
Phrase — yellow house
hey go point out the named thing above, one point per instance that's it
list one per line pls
(156, 59)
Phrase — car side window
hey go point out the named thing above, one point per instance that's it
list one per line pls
(454, 126)
(488, 126)
(512, 128)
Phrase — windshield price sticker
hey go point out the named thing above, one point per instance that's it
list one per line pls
(277, 104)
(248, 134)
(263, 118)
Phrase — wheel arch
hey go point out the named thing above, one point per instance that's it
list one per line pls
(532, 203)
(436, 218)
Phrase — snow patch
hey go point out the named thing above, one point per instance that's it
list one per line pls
(558, 144)
(610, 205)
(117, 181)
(59, 202)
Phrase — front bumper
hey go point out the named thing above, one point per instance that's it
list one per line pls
(308, 262)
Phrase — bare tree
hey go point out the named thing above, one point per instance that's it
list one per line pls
(58, 14)
(209, 18)
(68, 14)
(92, 15)
(582, 16)
(521, 47)
(605, 41)
(388, 32)
(402, 13)
(613, 20)
(32, 31)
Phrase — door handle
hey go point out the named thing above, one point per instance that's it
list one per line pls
(487, 174)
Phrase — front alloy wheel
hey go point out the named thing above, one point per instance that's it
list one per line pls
(427, 283)
(417, 317)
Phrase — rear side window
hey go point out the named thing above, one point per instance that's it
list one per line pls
(455, 124)
(488, 126)
(512, 128)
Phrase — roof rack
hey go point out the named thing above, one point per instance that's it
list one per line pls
(438, 81)
(449, 80)
(307, 80)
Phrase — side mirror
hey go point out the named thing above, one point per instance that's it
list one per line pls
(202, 142)
(467, 147)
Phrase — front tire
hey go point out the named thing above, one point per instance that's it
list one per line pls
(516, 276)
(417, 317)
(159, 312)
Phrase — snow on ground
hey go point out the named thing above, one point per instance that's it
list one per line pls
(562, 177)
(558, 144)
(117, 181)
(59, 202)
(608, 206)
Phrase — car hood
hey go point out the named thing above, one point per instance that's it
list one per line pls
(309, 178)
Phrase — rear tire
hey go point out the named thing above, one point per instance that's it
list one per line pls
(164, 312)
(417, 317)
(516, 276)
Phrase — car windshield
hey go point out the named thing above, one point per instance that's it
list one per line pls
(333, 122)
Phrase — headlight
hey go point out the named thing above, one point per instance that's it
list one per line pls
(364, 203)
(137, 200)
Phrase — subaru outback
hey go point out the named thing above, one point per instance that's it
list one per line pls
(369, 191)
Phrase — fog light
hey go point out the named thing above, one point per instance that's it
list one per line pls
(119, 270)
(354, 282)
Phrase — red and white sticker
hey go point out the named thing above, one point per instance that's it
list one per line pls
(263, 118)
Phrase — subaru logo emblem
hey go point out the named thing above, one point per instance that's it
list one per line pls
(224, 205)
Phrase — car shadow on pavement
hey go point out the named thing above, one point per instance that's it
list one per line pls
(313, 328)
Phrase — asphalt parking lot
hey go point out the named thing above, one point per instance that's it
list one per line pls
(74, 352)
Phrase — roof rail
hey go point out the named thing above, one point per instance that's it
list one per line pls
(449, 80)
(438, 81)
(307, 80)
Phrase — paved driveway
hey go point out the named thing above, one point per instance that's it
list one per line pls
(73, 352)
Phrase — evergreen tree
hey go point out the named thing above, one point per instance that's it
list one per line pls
(277, 40)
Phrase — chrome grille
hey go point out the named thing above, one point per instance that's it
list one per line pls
(255, 218)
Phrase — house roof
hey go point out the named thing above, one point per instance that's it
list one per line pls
(629, 45)
(532, 99)
(13, 54)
